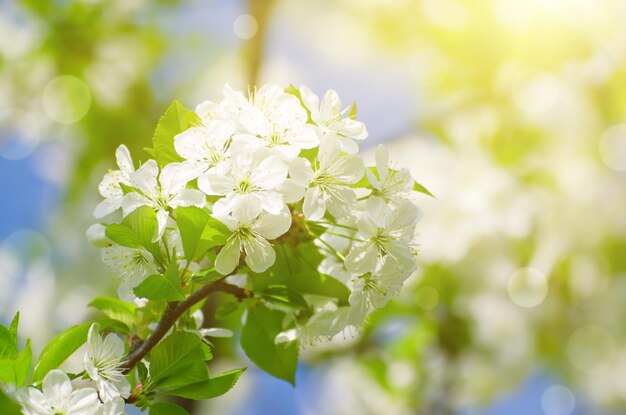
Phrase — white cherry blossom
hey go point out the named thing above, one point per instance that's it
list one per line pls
(207, 146)
(391, 185)
(386, 231)
(331, 118)
(329, 181)
(110, 187)
(131, 265)
(102, 362)
(162, 191)
(58, 397)
(252, 179)
(250, 235)
(115, 406)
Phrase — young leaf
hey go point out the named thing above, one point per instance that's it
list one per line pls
(22, 364)
(209, 388)
(14, 324)
(352, 114)
(162, 287)
(175, 120)
(8, 344)
(7, 371)
(419, 188)
(166, 408)
(215, 233)
(174, 355)
(257, 340)
(115, 309)
(122, 235)
(284, 297)
(143, 223)
(191, 222)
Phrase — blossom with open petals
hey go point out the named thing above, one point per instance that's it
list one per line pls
(102, 364)
(250, 235)
(162, 191)
(58, 397)
(131, 265)
(110, 187)
(391, 185)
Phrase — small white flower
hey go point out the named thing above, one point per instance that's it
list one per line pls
(250, 235)
(162, 191)
(115, 406)
(275, 119)
(391, 185)
(329, 181)
(131, 265)
(330, 117)
(110, 187)
(323, 325)
(387, 232)
(252, 179)
(58, 397)
(102, 364)
(205, 147)
(374, 289)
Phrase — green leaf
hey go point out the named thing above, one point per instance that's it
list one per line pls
(60, 348)
(215, 233)
(8, 406)
(142, 371)
(162, 287)
(284, 297)
(227, 309)
(191, 223)
(14, 323)
(115, 309)
(166, 408)
(257, 340)
(296, 269)
(173, 356)
(175, 120)
(417, 187)
(137, 229)
(210, 388)
(22, 364)
(7, 371)
(8, 344)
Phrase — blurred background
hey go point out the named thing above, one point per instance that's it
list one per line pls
(512, 112)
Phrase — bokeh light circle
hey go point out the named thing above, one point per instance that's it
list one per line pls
(558, 400)
(19, 134)
(527, 287)
(66, 99)
(427, 298)
(245, 26)
(591, 348)
(612, 147)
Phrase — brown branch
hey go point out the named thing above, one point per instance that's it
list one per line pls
(173, 311)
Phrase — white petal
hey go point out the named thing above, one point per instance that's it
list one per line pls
(253, 120)
(110, 184)
(216, 332)
(83, 402)
(341, 202)
(188, 197)
(307, 137)
(314, 206)
(115, 406)
(259, 254)
(145, 178)
(269, 201)
(107, 206)
(382, 162)
(328, 150)
(270, 173)
(245, 143)
(376, 184)
(33, 401)
(227, 220)
(273, 226)
(134, 200)
(348, 146)
(404, 215)
(349, 168)
(161, 216)
(228, 257)
(331, 104)
(191, 144)
(377, 210)
(300, 171)
(310, 100)
(291, 191)
(124, 161)
(97, 237)
(57, 388)
(362, 258)
(216, 184)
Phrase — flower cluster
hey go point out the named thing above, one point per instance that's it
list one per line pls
(101, 366)
(275, 167)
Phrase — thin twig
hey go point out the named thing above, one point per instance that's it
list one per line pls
(173, 311)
